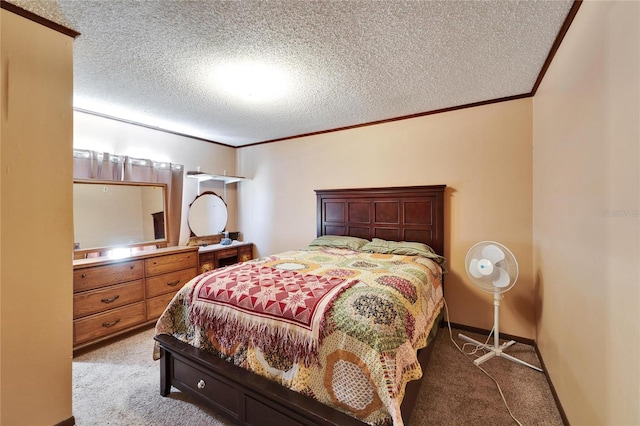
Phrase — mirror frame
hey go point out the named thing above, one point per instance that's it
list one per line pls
(202, 196)
(102, 251)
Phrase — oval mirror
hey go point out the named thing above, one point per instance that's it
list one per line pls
(207, 214)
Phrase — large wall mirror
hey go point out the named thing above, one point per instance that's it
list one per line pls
(109, 214)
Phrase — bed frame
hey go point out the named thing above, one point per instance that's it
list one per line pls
(400, 214)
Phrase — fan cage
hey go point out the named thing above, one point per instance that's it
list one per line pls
(509, 264)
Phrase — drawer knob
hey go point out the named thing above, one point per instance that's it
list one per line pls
(173, 283)
(110, 324)
(110, 299)
(83, 275)
(201, 384)
(131, 267)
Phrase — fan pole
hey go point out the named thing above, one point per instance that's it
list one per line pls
(496, 349)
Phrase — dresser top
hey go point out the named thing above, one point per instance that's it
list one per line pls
(213, 247)
(144, 254)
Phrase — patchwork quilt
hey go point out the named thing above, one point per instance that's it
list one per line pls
(338, 325)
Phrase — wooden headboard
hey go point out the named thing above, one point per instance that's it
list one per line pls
(411, 213)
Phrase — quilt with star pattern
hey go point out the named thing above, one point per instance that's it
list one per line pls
(338, 325)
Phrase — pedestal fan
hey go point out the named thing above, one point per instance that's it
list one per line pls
(493, 268)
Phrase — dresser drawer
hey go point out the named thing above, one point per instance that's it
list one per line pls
(99, 325)
(173, 262)
(169, 283)
(100, 276)
(226, 253)
(245, 253)
(157, 305)
(94, 301)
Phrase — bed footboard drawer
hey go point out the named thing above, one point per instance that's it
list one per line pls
(226, 397)
(248, 399)
(257, 413)
(220, 394)
(99, 325)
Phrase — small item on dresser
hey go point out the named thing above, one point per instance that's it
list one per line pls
(226, 240)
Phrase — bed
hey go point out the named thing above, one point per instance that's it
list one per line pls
(316, 364)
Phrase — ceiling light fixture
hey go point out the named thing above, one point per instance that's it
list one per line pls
(251, 81)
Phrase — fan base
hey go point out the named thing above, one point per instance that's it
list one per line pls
(495, 351)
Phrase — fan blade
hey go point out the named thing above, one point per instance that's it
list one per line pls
(503, 279)
(473, 268)
(493, 253)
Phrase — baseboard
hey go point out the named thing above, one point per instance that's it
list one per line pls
(471, 329)
(71, 421)
(563, 415)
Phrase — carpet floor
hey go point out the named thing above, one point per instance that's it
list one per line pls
(118, 384)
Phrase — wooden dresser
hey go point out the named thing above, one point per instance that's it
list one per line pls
(113, 296)
(216, 255)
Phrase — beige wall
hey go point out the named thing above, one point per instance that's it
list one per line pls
(587, 216)
(36, 224)
(116, 137)
(483, 155)
(569, 212)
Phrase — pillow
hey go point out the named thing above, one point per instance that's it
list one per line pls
(404, 248)
(339, 241)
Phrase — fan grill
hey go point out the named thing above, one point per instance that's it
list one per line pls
(491, 267)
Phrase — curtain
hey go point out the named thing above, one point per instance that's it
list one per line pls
(143, 170)
(104, 166)
(97, 165)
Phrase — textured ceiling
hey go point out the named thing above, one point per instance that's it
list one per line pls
(340, 63)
